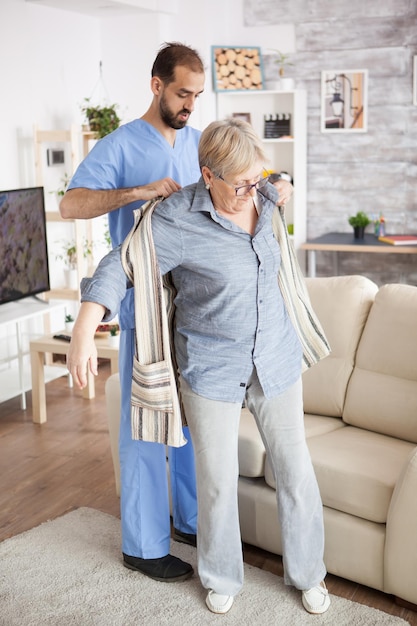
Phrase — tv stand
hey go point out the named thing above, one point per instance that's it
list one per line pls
(16, 381)
(39, 299)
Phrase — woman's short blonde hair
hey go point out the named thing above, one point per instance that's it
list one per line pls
(229, 147)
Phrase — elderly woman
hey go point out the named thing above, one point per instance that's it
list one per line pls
(239, 334)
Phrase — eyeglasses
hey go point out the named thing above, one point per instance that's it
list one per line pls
(243, 190)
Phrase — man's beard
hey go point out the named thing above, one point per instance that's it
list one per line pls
(169, 118)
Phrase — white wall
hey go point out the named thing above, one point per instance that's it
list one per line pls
(49, 62)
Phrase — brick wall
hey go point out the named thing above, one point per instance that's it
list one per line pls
(374, 171)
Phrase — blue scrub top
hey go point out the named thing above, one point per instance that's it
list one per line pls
(136, 154)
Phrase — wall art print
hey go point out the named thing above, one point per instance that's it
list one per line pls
(237, 68)
(344, 101)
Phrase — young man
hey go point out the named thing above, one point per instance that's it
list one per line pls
(152, 156)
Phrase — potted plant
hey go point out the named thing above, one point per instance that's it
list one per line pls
(69, 323)
(62, 188)
(283, 61)
(359, 222)
(69, 256)
(102, 120)
(114, 335)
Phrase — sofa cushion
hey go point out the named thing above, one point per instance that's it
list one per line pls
(318, 424)
(342, 305)
(382, 392)
(356, 470)
(251, 450)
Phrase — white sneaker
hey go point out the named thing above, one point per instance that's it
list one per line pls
(316, 600)
(218, 603)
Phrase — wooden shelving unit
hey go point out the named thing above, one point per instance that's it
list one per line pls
(82, 228)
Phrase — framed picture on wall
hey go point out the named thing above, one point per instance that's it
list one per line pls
(236, 69)
(344, 101)
(415, 80)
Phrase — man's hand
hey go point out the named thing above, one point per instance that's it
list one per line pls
(83, 203)
(164, 188)
(285, 190)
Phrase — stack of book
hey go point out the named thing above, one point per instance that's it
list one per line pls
(399, 240)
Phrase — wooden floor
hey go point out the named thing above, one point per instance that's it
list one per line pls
(51, 469)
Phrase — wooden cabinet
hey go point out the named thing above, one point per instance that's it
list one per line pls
(288, 153)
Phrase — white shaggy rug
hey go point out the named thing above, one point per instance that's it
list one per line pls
(69, 572)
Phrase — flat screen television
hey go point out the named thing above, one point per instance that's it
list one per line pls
(24, 268)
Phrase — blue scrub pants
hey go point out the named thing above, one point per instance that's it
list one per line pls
(144, 498)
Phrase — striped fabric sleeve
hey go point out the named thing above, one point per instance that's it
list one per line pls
(297, 301)
(155, 406)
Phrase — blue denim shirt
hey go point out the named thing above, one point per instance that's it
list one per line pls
(230, 315)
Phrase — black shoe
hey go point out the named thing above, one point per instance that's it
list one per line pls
(168, 569)
(187, 538)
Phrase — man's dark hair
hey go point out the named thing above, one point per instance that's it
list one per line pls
(172, 55)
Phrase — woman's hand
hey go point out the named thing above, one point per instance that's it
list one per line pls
(82, 351)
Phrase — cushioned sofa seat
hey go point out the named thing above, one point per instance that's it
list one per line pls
(354, 547)
(357, 470)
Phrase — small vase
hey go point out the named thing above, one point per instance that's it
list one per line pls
(287, 84)
(114, 341)
(71, 279)
(359, 232)
(69, 326)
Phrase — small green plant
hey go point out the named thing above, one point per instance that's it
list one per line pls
(69, 253)
(102, 120)
(69, 319)
(63, 187)
(107, 238)
(114, 330)
(282, 60)
(360, 220)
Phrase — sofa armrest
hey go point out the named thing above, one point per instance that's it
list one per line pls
(401, 536)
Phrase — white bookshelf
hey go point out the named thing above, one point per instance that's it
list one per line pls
(287, 154)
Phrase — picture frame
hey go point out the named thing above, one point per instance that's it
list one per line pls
(243, 116)
(237, 68)
(415, 80)
(344, 101)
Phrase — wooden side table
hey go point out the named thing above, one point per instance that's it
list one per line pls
(344, 242)
(47, 344)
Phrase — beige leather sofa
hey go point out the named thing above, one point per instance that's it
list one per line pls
(361, 426)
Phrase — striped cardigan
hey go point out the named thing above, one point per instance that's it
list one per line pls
(155, 404)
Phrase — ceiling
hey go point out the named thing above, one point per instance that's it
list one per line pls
(101, 8)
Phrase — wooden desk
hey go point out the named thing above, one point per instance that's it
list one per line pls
(345, 242)
(47, 344)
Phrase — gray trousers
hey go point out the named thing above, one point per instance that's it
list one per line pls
(214, 427)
